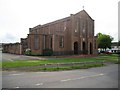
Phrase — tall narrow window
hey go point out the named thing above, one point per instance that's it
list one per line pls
(76, 31)
(51, 42)
(61, 43)
(84, 29)
(36, 41)
(44, 41)
(64, 25)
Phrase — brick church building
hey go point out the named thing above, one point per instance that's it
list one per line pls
(70, 35)
(67, 36)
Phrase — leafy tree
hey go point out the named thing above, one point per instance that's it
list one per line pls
(119, 43)
(104, 41)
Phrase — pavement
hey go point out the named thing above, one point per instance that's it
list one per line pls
(13, 57)
(101, 77)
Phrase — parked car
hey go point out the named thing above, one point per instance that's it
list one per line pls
(105, 52)
(108, 52)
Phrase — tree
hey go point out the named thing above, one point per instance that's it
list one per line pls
(104, 41)
(118, 43)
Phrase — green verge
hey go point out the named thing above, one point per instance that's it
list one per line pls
(0, 64)
(69, 67)
(29, 63)
(117, 63)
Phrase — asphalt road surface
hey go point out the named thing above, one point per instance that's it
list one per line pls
(13, 57)
(0, 55)
(101, 77)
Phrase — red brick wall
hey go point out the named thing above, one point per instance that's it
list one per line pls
(66, 28)
(13, 48)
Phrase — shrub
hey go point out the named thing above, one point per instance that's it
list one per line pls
(28, 52)
(84, 51)
(47, 52)
(4, 51)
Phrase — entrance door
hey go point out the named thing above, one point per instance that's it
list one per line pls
(91, 48)
(76, 48)
(84, 50)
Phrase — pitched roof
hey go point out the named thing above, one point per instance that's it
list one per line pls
(63, 19)
(83, 11)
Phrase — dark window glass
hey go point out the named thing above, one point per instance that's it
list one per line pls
(61, 43)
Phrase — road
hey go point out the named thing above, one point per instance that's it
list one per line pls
(0, 55)
(13, 57)
(101, 77)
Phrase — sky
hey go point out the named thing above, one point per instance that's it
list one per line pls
(119, 21)
(17, 16)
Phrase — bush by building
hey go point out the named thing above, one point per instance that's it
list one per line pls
(47, 52)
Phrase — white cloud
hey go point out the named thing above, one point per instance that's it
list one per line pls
(9, 37)
(119, 22)
(17, 16)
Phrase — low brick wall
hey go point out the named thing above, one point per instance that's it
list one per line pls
(75, 64)
(68, 64)
(13, 48)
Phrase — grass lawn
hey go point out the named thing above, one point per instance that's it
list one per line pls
(26, 63)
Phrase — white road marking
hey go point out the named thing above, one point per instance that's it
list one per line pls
(39, 72)
(82, 77)
(15, 74)
(39, 84)
(101, 74)
(66, 80)
(16, 87)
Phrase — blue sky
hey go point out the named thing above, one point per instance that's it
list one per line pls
(17, 16)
